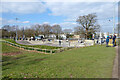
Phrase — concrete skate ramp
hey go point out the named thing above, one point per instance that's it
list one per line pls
(23, 42)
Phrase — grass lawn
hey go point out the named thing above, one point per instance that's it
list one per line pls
(35, 46)
(8, 49)
(89, 62)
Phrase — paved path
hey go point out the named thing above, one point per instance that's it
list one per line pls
(115, 66)
(119, 62)
(23, 42)
(64, 44)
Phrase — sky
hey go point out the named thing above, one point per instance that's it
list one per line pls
(64, 13)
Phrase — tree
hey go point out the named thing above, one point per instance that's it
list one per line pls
(5, 33)
(67, 31)
(9, 28)
(56, 29)
(46, 29)
(88, 24)
(117, 29)
(29, 32)
(38, 29)
(8, 31)
(79, 31)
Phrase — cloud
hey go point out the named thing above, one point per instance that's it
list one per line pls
(26, 22)
(73, 10)
(6, 21)
(23, 7)
(11, 21)
(59, 0)
(80, 0)
(20, 0)
(70, 9)
(46, 23)
(68, 25)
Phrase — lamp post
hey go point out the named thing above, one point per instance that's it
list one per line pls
(16, 29)
(114, 17)
(23, 33)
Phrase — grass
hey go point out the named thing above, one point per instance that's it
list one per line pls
(89, 62)
(8, 49)
(35, 46)
(118, 41)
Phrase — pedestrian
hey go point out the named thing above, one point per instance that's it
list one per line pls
(59, 42)
(114, 38)
(14, 38)
(69, 43)
(110, 37)
(78, 40)
(107, 41)
(20, 38)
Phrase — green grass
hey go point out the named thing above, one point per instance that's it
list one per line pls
(118, 41)
(35, 46)
(8, 49)
(89, 62)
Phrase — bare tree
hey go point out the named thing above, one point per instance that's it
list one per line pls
(46, 29)
(8, 31)
(88, 24)
(56, 29)
(67, 31)
(79, 31)
(29, 32)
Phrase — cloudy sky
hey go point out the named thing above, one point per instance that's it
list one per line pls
(60, 12)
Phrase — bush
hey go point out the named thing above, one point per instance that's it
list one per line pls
(47, 51)
(38, 49)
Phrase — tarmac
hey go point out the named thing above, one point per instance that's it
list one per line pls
(54, 43)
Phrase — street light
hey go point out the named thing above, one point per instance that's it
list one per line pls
(23, 33)
(16, 29)
(114, 17)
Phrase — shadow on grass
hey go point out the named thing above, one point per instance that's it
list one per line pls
(34, 61)
(9, 58)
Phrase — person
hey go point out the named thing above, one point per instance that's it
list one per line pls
(14, 38)
(114, 37)
(110, 37)
(107, 41)
(59, 42)
(78, 40)
(20, 38)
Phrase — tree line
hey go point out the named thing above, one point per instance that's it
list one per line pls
(87, 26)
(33, 30)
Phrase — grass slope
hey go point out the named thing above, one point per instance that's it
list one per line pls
(89, 62)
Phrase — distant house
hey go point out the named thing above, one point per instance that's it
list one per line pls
(52, 36)
(76, 36)
(62, 36)
(39, 37)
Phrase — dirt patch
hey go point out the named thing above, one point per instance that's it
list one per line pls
(11, 54)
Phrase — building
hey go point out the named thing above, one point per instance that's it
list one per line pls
(52, 36)
(63, 36)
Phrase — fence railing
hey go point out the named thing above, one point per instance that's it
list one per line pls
(38, 49)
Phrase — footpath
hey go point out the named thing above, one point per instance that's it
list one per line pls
(116, 65)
